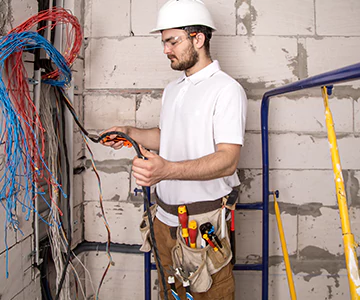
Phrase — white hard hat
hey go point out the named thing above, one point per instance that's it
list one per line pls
(181, 13)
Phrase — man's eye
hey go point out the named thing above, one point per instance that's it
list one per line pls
(173, 43)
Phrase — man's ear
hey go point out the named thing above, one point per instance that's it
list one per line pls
(199, 40)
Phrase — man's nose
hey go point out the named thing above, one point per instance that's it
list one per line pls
(167, 49)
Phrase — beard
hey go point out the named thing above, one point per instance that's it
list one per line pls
(186, 61)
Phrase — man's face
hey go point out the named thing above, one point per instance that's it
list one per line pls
(179, 48)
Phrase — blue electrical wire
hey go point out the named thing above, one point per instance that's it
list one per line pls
(17, 173)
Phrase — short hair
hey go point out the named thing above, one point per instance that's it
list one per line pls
(207, 31)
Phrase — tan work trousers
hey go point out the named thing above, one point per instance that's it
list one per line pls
(223, 287)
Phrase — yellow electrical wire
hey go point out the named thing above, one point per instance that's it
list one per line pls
(348, 238)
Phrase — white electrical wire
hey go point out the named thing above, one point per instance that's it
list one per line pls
(55, 237)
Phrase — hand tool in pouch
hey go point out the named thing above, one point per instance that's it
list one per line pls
(171, 281)
(232, 237)
(183, 219)
(209, 229)
(193, 233)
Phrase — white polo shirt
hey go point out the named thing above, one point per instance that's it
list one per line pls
(198, 112)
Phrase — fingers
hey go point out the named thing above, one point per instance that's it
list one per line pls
(109, 140)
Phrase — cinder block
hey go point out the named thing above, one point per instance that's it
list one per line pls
(294, 17)
(249, 235)
(11, 235)
(247, 285)
(224, 15)
(337, 18)
(305, 114)
(296, 187)
(114, 183)
(103, 153)
(78, 148)
(123, 219)
(275, 63)
(78, 190)
(299, 151)
(317, 285)
(125, 280)
(77, 226)
(105, 111)
(78, 75)
(322, 232)
(23, 10)
(332, 53)
(148, 112)
(11, 286)
(98, 17)
(144, 15)
(357, 114)
(33, 290)
(129, 67)
(354, 218)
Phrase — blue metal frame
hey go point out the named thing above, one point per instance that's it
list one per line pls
(348, 73)
(344, 74)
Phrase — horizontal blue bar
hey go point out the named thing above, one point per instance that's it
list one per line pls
(248, 267)
(255, 206)
(347, 73)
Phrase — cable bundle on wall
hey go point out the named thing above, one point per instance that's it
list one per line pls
(24, 159)
(29, 133)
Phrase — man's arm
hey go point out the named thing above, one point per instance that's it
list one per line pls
(149, 138)
(219, 164)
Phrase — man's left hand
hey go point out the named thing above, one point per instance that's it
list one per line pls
(149, 171)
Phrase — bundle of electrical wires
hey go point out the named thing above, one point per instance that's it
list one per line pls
(26, 141)
(24, 160)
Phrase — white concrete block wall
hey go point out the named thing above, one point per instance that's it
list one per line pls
(263, 44)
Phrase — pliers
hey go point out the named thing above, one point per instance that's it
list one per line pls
(171, 281)
(186, 282)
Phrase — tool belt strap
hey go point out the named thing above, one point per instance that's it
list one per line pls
(194, 208)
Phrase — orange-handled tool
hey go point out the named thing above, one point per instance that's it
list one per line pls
(117, 139)
(183, 218)
(193, 233)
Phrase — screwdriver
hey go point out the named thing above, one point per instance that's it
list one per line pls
(183, 218)
(193, 233)
(232, 237)
(206, 238)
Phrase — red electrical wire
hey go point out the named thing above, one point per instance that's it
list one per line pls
(18, 87)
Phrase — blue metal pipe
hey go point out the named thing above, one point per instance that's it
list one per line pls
(329, 78)
(249, 206)
(147, 261)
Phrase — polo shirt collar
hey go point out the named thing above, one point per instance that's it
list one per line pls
(203, 74)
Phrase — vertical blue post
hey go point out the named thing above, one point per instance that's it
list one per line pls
(147, 259)
(265, 196)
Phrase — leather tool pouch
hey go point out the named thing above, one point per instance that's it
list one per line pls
(145, 229)
(200, 263)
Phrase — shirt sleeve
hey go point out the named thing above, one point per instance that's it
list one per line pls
(230, 115)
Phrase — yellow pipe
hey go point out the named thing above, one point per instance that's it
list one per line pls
(284, 250)
(348, 238)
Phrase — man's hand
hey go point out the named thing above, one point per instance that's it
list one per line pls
(150, 171)
(112, 144)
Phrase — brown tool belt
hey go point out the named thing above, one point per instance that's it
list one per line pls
(194, 208)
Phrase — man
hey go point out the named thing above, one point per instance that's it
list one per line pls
(201, 131)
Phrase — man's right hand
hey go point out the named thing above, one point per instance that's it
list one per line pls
(110, 142)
